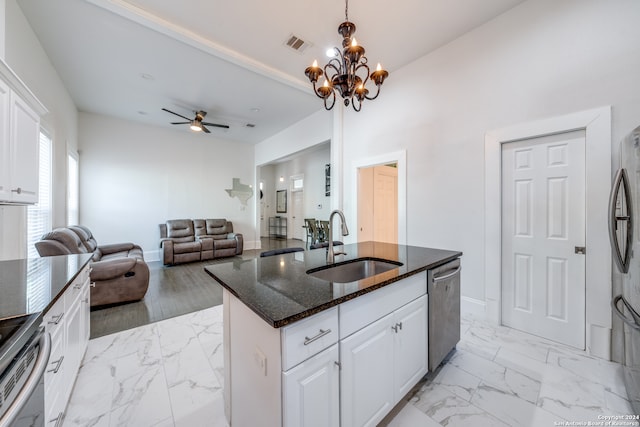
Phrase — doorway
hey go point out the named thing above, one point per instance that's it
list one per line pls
(378, 203)
(297, 208)
(543, 236)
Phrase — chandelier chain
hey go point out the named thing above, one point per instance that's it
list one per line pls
(346, 10)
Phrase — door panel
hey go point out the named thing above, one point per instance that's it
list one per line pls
(543, 220)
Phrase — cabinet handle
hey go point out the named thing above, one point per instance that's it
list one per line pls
(86, 300)
(446, 276)
(400, 325)
(92, 284)
(397, 327)
(58, 364)
(322, 333)
(77, 286)
(17, 190)
(58, 419)
(56, 319)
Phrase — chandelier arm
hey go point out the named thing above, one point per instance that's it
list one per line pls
(353, 104)
(331, 66)
(333, 101)
(376, 95)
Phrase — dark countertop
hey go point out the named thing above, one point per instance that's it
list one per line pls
(28, 288)
(33, 285)
(279, 290)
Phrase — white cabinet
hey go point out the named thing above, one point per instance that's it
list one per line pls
(366, 378)
(381, 362)
(348, 365)
(19, 140)
(68, 323)
(311, 391)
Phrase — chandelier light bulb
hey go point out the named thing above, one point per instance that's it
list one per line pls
(354, 42)
(326, 83)
(379, 67)
(315, 63)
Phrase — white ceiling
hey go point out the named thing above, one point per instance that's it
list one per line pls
(229, 57)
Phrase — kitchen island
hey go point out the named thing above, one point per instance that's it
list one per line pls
(299, 348)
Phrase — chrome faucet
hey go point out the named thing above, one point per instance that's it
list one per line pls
(345, 232)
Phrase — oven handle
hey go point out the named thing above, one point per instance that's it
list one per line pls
(32, 382)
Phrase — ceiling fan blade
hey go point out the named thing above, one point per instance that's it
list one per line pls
(180, 123)
(179, 115)
(216, 125)
(205, 130)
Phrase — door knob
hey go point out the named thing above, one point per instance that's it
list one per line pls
(581, 250)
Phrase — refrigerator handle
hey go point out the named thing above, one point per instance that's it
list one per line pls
(621, 255)
(616, 309)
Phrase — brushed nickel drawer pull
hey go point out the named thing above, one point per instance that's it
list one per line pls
(56, 319)
(322, 333)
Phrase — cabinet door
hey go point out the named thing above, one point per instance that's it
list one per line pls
(366, 375)
(311, 391)
(410, 360)
(72, 353)
(24, 137)
(85, 321)
(5, 152)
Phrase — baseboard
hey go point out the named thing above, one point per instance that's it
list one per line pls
(150, 256)
(473, 307)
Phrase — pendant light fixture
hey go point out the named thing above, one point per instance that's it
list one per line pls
(347, 72)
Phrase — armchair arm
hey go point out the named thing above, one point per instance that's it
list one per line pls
(167, 251)
(239, 242)
(111, 269)
(116, 247)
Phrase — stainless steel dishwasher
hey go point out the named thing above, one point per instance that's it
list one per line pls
(444, 311)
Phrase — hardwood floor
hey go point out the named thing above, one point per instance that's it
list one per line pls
(173, 291)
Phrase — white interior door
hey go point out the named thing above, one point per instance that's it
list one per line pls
(297, 220)
(543, 224)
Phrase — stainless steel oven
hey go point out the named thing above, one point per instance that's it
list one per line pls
(25, 355)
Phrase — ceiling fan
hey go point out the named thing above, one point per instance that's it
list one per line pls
(196, 124)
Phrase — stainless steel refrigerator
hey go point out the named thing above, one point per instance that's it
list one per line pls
(624, 231)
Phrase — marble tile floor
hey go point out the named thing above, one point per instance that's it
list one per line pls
(169, 373)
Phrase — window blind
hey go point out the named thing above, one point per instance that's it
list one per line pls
(38, 223)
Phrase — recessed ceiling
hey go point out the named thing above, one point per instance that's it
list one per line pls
(129, 59)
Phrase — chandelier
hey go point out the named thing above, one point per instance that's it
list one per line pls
(347, 72)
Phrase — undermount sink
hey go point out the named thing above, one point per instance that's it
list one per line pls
(354, 270)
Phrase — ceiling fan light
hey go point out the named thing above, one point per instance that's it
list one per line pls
(196, 126)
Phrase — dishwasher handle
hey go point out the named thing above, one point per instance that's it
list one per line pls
(447, 276)
(32, 382)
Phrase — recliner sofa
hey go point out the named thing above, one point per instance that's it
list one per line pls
(186, 240)
(118, 271)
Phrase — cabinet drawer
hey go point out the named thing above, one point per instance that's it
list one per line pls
(308, 337)
(359, 312)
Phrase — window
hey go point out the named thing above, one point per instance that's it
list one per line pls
(72, 189)
(38, 223)
(39, 215)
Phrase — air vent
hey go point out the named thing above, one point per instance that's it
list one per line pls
(250, 125)
(296, 43)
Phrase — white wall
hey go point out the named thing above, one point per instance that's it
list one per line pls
(541, 59)
(313, 130)
(135, 177)
(24, 54)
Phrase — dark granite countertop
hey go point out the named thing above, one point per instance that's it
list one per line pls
(33, 285)
(280, 291)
